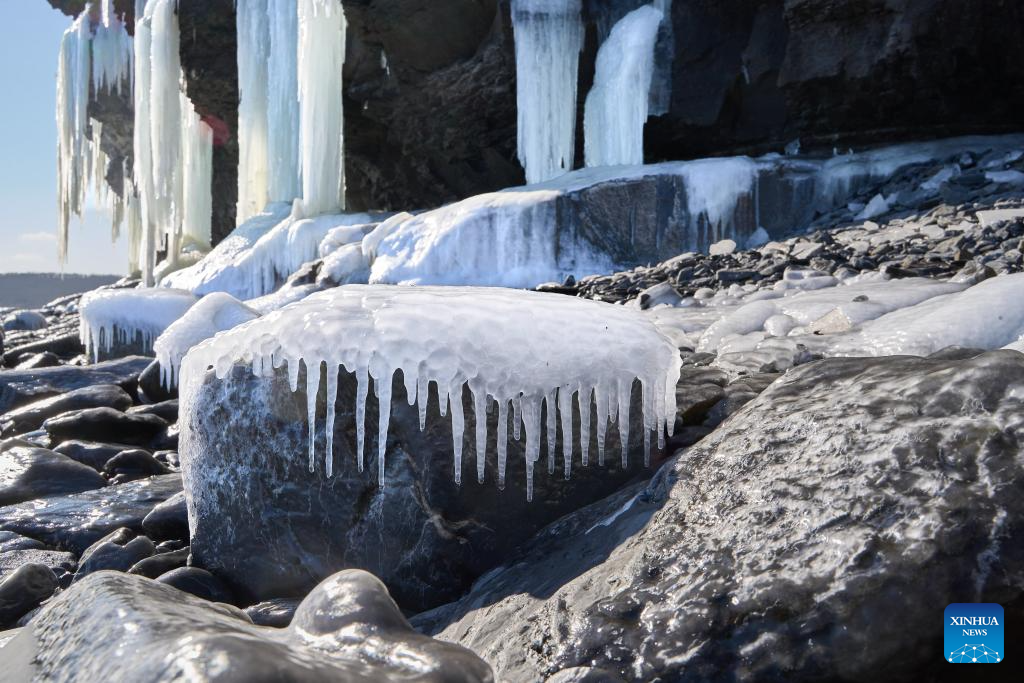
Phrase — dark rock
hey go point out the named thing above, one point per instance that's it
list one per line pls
(151, 388)
(77, 521)
(23, 590)
(270, 528)
(118, 551)
(46, 359)
(693, 401)
(20, 387)
(12, 541)
(135, 463)
(63, 344)
(684, 437)
(166, 440)
(790, 536)
(119, 627)
(168, 520)
(60, 563)
(162, 563)
(90, 453)
(170, 546)
(32, 416)
(274, 613)
(104, 424)
(31, 473)
(198, 582)
(166, 410)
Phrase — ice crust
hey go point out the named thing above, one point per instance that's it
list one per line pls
(503, 345)
(110, 316)
(548, 39)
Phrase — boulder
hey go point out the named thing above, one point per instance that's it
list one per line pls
(77, 521)
(91, 453)
(133, 464)
(31, 473)
(151, 386)
(276, 613)
(168, 520)
(62, 564)
(98, 424)
(119, 550)
(816, 534)
(198, 582)
(44, 359)
(166, 410)
(272, 529)
(20, 387)
(13, 541)
(160, 564)
(24, 320)
(23, 590)
(32, 416)
(119, 627)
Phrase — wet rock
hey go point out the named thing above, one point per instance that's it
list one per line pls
(346, 629)
(274, 613)
(12, 541)
(98, 424)
(133, 464)
(77, 521)
(23, 590)
(91, 453)
(32, 416)
(46, 359)
(851, 490)
(151, 388)
(166, 410)
(161, 563)
(119, 551)
(20, 387)
(168, 520)
(62, 564)
(198, 582)
(693, 401)
(31, 473)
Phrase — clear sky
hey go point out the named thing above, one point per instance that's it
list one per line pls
(28, 154)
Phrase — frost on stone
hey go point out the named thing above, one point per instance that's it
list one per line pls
(618, 104)
(549, 38)
(112, 316)
(506, 347)
(212, 314)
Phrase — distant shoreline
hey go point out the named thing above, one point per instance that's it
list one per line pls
(32, 290)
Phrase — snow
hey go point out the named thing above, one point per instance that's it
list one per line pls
(109, 316)
(288, 294)
(321, 60)
(346, 265)
(548, 39)
(212, 314)
(504, 345)
(344, 235)
(253, 30)
(997, 215)
(617, 106)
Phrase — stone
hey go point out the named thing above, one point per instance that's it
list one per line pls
(77, 521)
(157, 565)
(13, 541)
(20, 387)
(833, 322)
(32, 473)
(32, 416)
(96, 424)
(134, 464)
(45, 359)
(119, 627)
(662, 294)
(693, 401)
(722, 248)
(119, 551)
(24, 320)
(165, 410)
(91, 453)
(198, 582)
(852, 491)
(59, 562)
(270, 528)
(168, 520)
(23, 590)
(805, 251)
(274, 613)
(151, 388)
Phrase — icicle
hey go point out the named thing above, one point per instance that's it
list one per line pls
(197, 162)
(143, 141)
(458, 428)
(549, 38)
(551, 427)
(601, 400)
(618, 104)
(622, 417)
(321, 58)
(312, 389)
(284, 183)
(72, 119)
(502, 441)
(531, 423)
(332, 397)
(565, 410)
(423, 398)
(517, 415)
(362, 389)
(111, 52)
(583, 398)
(253, 30)
(480, 418)
(382, 385)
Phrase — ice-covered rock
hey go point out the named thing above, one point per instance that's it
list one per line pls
(129, 316)
(109, 625)
(24, 320)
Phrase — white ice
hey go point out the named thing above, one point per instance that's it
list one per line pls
(253, 30)
(285, 180)
(109, 316)
(506, 346)
(548, 39)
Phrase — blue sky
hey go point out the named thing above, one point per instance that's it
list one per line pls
(28, 144)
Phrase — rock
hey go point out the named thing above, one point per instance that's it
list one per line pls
(61, 344)
(267, 526)
(95, 424)
(168, 520)
(19, 387)
(166, 410)
(118, 551)
(735, 398)
(722, 248)
(161, 563)
(12, 541)
(274, 613)
(120, 627)
(62, 564)
(32, 416)
(850, 491)
(90, 453)
(31, 473)
(134, 464)
(693, 401)
(659, 295)
(833, 322)
(24, 320)
(805, 251)
(198, 582)
(77, 521)
(23, 590)
(151, 387)
(46, 359)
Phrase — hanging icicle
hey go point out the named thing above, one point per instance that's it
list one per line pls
(253, 44)
(285, 181)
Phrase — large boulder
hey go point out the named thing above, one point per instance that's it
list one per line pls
(271, 528)
(817, 534)
(31, 473)
(32, 416)
(93, 424)
(114, 626)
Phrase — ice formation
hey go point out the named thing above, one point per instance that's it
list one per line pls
(212, 314)
(285, 181)
(506, 346)
(549, 38)
(321, 58)
(110, 316)
(253, 26)
(618, 104)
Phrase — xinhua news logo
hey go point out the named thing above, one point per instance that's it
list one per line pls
(974, 633)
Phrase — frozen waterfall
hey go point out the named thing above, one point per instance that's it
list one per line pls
(253, 130)
(283, 105)
(549, 37)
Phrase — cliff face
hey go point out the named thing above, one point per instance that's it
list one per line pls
(430, 84)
